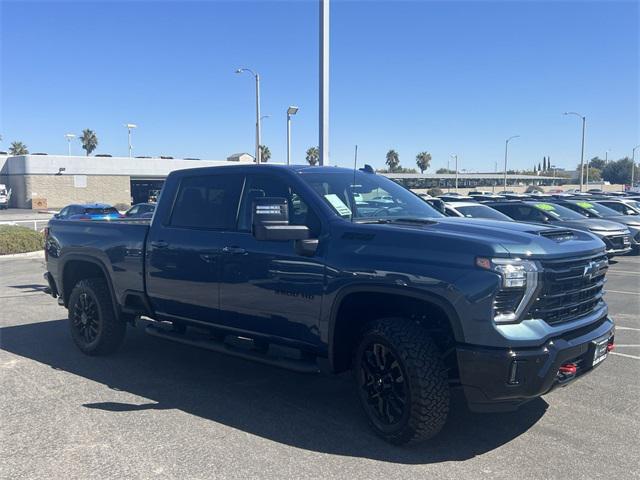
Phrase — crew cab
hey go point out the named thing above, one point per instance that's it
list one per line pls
(306, 268)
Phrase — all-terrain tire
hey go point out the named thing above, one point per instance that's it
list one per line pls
(99, 331)
(425, 383)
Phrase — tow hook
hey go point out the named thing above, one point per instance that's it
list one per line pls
(568, 369)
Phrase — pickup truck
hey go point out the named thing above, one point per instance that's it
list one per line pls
(283, 266)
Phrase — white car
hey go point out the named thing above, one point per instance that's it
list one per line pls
(474, 210)
(5, 196)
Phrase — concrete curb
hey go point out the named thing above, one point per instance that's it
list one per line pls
(36, 254)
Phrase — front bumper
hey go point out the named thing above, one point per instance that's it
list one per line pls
(617, 244)
(502, 379)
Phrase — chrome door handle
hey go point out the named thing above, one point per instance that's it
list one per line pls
(234, 250)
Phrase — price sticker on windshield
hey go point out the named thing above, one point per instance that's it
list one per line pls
(338, 205)
(545, 206)
(584, 204)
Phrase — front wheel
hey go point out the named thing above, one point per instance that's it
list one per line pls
(95, 328)
(402, 383)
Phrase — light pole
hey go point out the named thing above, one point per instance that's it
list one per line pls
(130, 126)
(69, 137)
(584, 122)
(554, 174)
(633, 163)
(292, 110)
(258, 139)
(323, 101)
(606, 160)
(506, 155)
(455, 156)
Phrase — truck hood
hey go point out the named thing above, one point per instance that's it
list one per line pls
(508, 238)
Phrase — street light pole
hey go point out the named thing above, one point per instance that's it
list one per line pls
(633, 163)
(69, 137)
(323, 110)
(292, 110)
(258, 133)
(456, 158)
(506, 154)
(584, 122)
(130, 126)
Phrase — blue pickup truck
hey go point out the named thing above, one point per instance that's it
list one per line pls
(330, 269)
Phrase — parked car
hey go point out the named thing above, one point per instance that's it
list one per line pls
(624, 206)
(592, 209)
(5, 196)
(262, 257)
(139, 210)
(88, 211)
(474, 210)
(455, 197)
(615, 236)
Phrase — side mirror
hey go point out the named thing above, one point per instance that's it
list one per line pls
(56, 215)
(270, 221)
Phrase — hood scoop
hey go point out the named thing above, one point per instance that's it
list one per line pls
(557, 235)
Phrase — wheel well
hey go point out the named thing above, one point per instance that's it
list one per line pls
(358, 309)
(76, 270)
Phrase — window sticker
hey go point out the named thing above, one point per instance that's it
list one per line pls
(338, 205)
(584, 204)
(545, 206)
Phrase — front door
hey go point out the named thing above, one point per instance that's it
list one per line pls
(183, 255)
(265, 286)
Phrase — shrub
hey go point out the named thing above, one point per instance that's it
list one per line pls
(19, 240)
(434, 192)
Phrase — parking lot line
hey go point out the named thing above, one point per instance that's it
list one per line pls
(623, 345)
(628, 328)
(622, 272)
(636, 357)
(621, 291)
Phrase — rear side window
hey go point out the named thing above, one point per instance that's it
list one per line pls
(100, 211)
(207, 202)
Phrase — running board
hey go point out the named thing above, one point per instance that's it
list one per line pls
(301, 366)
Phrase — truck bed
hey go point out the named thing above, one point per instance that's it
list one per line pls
(116, 245)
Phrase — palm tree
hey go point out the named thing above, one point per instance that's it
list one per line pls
(89, 140)
(423, 160)
(265, 153)
(18, 148)
(313, 155)
(393, 160)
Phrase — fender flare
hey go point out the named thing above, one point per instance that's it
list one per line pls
(435, 299)
(88, 259)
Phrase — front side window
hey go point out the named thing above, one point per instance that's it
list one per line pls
(208, 202)
(258, 186)
(482, 211)
(365, 196)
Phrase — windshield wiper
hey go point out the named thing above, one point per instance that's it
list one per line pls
(416, 220)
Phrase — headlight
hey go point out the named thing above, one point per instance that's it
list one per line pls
(518, 286)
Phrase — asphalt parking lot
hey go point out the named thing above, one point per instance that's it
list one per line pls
(163, 410)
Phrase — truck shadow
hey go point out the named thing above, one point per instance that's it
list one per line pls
(314, 412)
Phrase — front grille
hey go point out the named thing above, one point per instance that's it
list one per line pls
(570, 289)
(617, 241)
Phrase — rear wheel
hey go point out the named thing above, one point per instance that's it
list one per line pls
(402, 383)
(95, 328)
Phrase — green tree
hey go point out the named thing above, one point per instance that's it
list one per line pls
(597, 162)
(265, 153)
(313, 155)
(18, 148)
(620, 172)
(423, 160)
(89, 140)
(445, 170)
(393, 160)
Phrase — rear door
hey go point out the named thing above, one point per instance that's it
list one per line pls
(183, 254)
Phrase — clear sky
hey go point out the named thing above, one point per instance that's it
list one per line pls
(446, 77)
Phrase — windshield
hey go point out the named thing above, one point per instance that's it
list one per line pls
(369, 197)
(597, 209)
(482, 211)
(558, 211)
